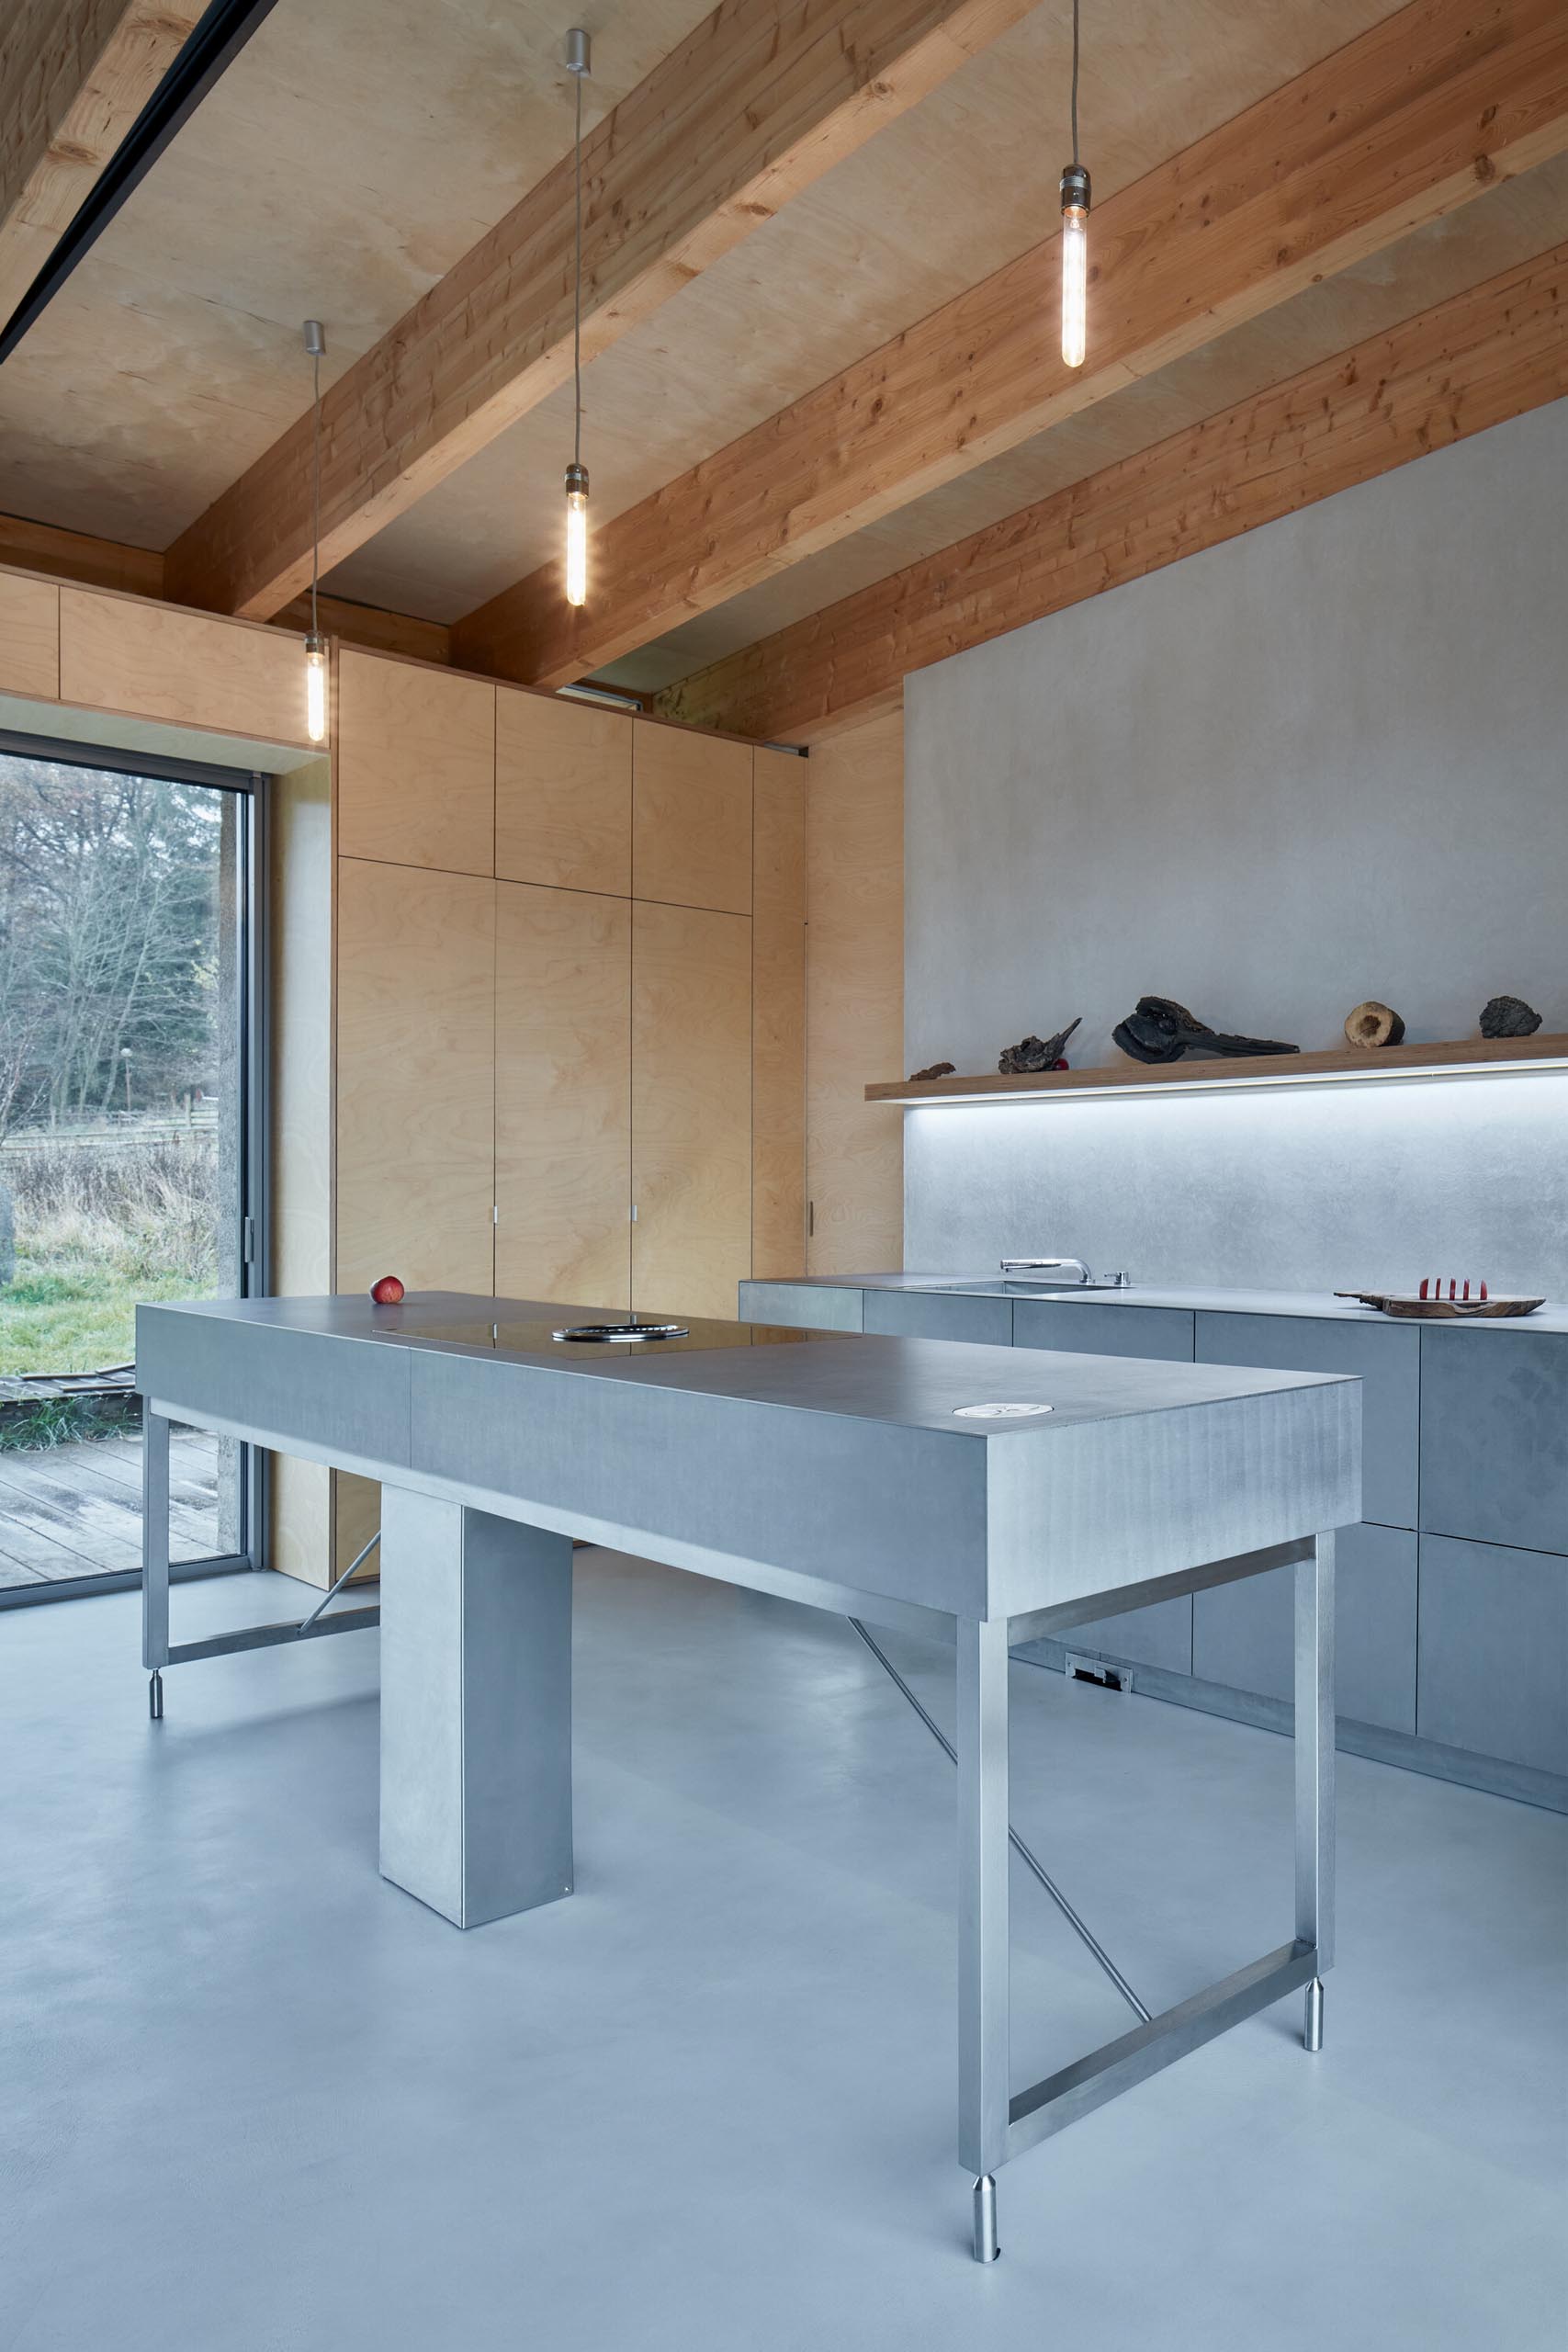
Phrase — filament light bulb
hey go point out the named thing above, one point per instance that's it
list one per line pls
(1075, 265)
(316, 689)
(577, 534)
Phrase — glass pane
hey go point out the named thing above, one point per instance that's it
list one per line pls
(120, 1146)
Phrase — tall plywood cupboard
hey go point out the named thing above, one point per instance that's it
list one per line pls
(569, 977)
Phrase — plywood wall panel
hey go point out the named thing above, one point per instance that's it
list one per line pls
(778, 1015)
(417, 765)
(125, 653)
(691, 1109)
(563, 1096)
(30, 637)
(416, 1077)
(298, 1528)
(691, 819)
(563, 794)
(854, 997)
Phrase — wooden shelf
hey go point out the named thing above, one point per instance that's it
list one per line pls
(1468, 1055)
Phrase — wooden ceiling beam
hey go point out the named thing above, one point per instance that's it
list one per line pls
(77, 555)
(1413, 118)
(756, 104)
(139, 571)
(1486, 354)
(75, 74)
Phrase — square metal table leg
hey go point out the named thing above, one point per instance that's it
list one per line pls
(154, 1554)
(1315, 1771)
(983, 2034)
(476, 1709)
(992, 2127)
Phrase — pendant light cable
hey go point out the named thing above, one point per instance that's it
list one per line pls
(577, 294)
(315, 651)
(316, 483)
(1075, 100)
(578, 65)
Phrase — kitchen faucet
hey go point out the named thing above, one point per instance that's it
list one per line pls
(1026, 1267)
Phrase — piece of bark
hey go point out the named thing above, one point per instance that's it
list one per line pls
(1034, 1054)
(937, 1069)
(1163, 1031)
(1509, 1016)
(1373, 1024)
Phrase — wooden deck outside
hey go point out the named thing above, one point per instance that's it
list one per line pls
(75, 1510)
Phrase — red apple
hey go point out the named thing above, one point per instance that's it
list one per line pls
(388, 1292)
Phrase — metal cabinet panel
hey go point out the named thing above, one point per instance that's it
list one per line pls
(1494, 1651)
(1242, 1634)
(936, 1315)
(1387, 1358)
(1495, 1435)
(1094, 1328)
(813, 1309)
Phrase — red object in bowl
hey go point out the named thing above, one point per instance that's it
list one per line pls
(388, 1292)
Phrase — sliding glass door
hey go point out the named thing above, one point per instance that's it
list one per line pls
(130, 1142)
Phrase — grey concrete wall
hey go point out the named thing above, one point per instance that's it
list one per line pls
(1326, 762)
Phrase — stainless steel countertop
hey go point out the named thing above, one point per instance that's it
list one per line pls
(1320, 1305)
(825, 1460)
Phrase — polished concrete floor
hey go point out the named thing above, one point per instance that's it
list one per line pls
(256, 2101)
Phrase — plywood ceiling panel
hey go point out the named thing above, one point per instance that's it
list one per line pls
(355, 150)
(934, 202)
(1508, 226)
(359, 147)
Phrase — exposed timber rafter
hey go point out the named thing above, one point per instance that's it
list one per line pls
(139, 571)
(761, 99)
(1484, 356)
(75, 74)
(1410, 120)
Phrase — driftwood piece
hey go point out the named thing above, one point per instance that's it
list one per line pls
(1509, 1016)
(1373, 1024)
(1033, 1054)
(937, 1069)
(1163, 1031)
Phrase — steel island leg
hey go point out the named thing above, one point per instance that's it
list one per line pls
(476, 1709)
(983, 2034)
(1314, 1772)
(154, 1554)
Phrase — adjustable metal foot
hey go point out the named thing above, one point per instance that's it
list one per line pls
(986, 2246)
(155, 1698)
(1312, 2036)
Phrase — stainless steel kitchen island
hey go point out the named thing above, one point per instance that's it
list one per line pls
(989, 1495)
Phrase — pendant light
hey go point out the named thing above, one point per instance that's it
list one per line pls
(1074, 237)
(315, 648)
(577, 65)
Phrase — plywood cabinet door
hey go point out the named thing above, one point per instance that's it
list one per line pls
(854, 997)
(691, 819)
(563, 794)
(416, 1077)
(563, 1096)
(415, 765)
(778, 1015)
(691, 1109)
(149, 661)
(29, 639)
